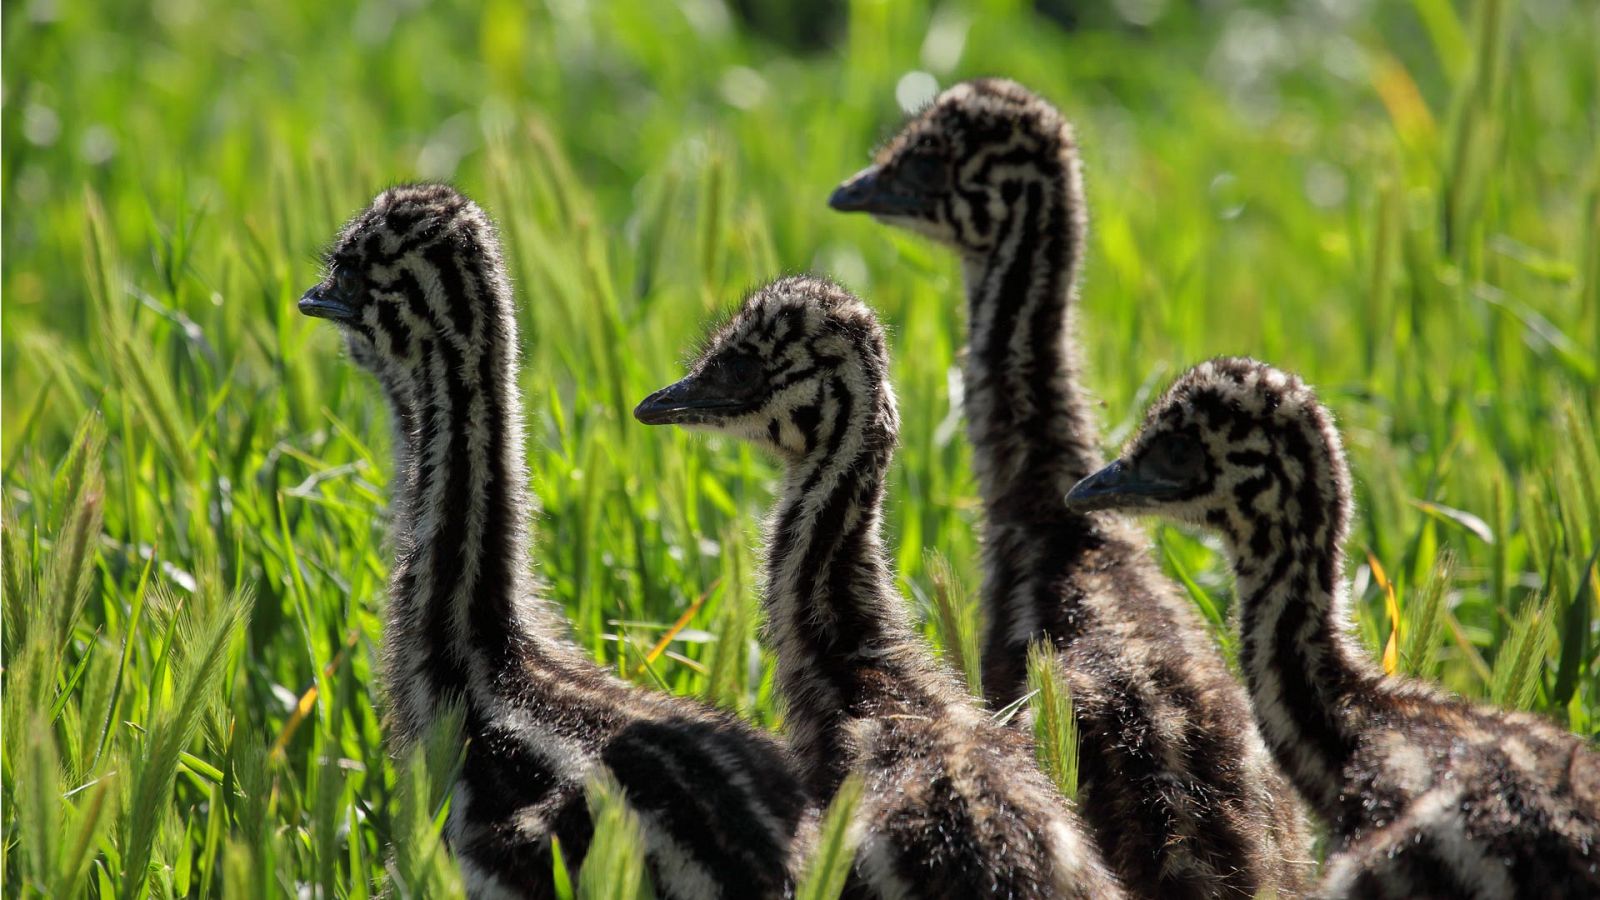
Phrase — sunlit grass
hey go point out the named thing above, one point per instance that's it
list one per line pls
(1404, 207)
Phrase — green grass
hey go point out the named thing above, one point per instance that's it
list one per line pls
(1403, 206)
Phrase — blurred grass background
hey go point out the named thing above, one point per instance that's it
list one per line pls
(1400, 200)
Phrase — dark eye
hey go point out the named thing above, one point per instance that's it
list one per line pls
(740, 370)
(923, 172)
(348, 281)
(1175, 457)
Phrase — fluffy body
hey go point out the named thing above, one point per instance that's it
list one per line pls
(417, 284)
(954, 806)
(1175, 782)
(1426, 795)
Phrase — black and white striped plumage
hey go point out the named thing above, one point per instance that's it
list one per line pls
(954, 806)
(1426, 795)
(417, 284)
(1175, 782)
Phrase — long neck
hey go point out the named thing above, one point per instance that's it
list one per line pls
(1309, 683)
(1031, 427)
(1032, 430)
(845, 651)
(464, 620)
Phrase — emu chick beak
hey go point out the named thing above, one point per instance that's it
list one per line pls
(1113, 486)
(319, 303)
(686, 402)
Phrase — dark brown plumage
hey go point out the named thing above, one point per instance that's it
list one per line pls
(1426, 795)
(417, 285)
(1174, 780)
(954, 805)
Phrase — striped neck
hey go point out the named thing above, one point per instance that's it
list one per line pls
(458, 624)
(833, 614)
(1030, 425)
(1032, 432)
(1309, 682)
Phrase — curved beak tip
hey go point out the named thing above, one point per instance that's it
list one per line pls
(856, 193)
(1105, 488)
(842, 199)
(660, 407)
(645, 411)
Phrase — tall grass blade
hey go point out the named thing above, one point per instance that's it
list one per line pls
(727, 680)
(955, 617)
(17, 568)
(1574, 653)
(1424, 615)
(1521, 658)
(91, 821)
(1055, 729)
(829, 868)
(614, 868)
(36, 790)
(205, 637)
(67, 585)
(418, 865)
